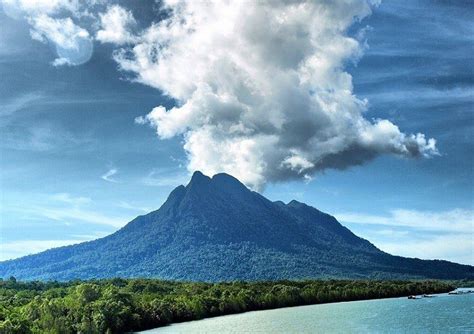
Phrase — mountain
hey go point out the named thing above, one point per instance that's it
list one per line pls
(216, 229)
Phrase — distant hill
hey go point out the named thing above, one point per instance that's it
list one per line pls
(216, 229)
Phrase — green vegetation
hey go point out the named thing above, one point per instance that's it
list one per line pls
(120, 305)
(465, 283)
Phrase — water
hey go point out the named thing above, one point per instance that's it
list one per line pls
(440, 314)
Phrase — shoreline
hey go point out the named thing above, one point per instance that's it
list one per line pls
(291, 307)
(133, 305)
(287, 318)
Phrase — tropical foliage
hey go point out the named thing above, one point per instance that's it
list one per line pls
(121, 305)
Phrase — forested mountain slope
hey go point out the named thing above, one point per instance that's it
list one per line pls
(216, 229)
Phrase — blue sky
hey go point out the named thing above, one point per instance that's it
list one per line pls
(76, 164)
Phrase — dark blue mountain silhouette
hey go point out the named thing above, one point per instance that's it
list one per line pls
(216, 229)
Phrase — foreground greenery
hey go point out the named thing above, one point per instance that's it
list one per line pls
(120, 305)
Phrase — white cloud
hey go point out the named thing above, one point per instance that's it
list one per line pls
(60, 62)
(73, 43)
(41, 137)
(261, 90)
(457, 220)
(457, 248)
(69, 210)
(447, 235)
(115, 25)
(19, 8)
(108, 175)
(165, 177)
(14, 249)
(67, 198)
(19, 103)
(78, 214)
(128, 206)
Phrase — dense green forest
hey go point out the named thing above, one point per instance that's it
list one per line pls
(120, 305)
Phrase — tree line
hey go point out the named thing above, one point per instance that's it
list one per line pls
(122, 305)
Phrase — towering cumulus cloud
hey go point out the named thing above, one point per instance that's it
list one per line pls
(261, 89)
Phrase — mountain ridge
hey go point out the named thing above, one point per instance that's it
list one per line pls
(216, 229)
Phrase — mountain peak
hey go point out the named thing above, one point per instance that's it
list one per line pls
(198, 179)
(198, 175)
(220, 181)
(294, 203)
(225, 176)
(228, 181)
(217, 229)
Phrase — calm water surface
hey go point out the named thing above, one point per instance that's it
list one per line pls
(440, 314)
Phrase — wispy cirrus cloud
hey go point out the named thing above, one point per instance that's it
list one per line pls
(452, 247)
(40, 137)
(165, 177)
(129, 206)
(17, 248)
(77, 214)
(68, 198)
(67, 209)
(456, 220)
(447, 235)
(108, 176)
(18, 103)
(14, 249)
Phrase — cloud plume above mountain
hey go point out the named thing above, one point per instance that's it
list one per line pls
(261, 88)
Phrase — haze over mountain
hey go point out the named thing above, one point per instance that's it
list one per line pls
(217, 229)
